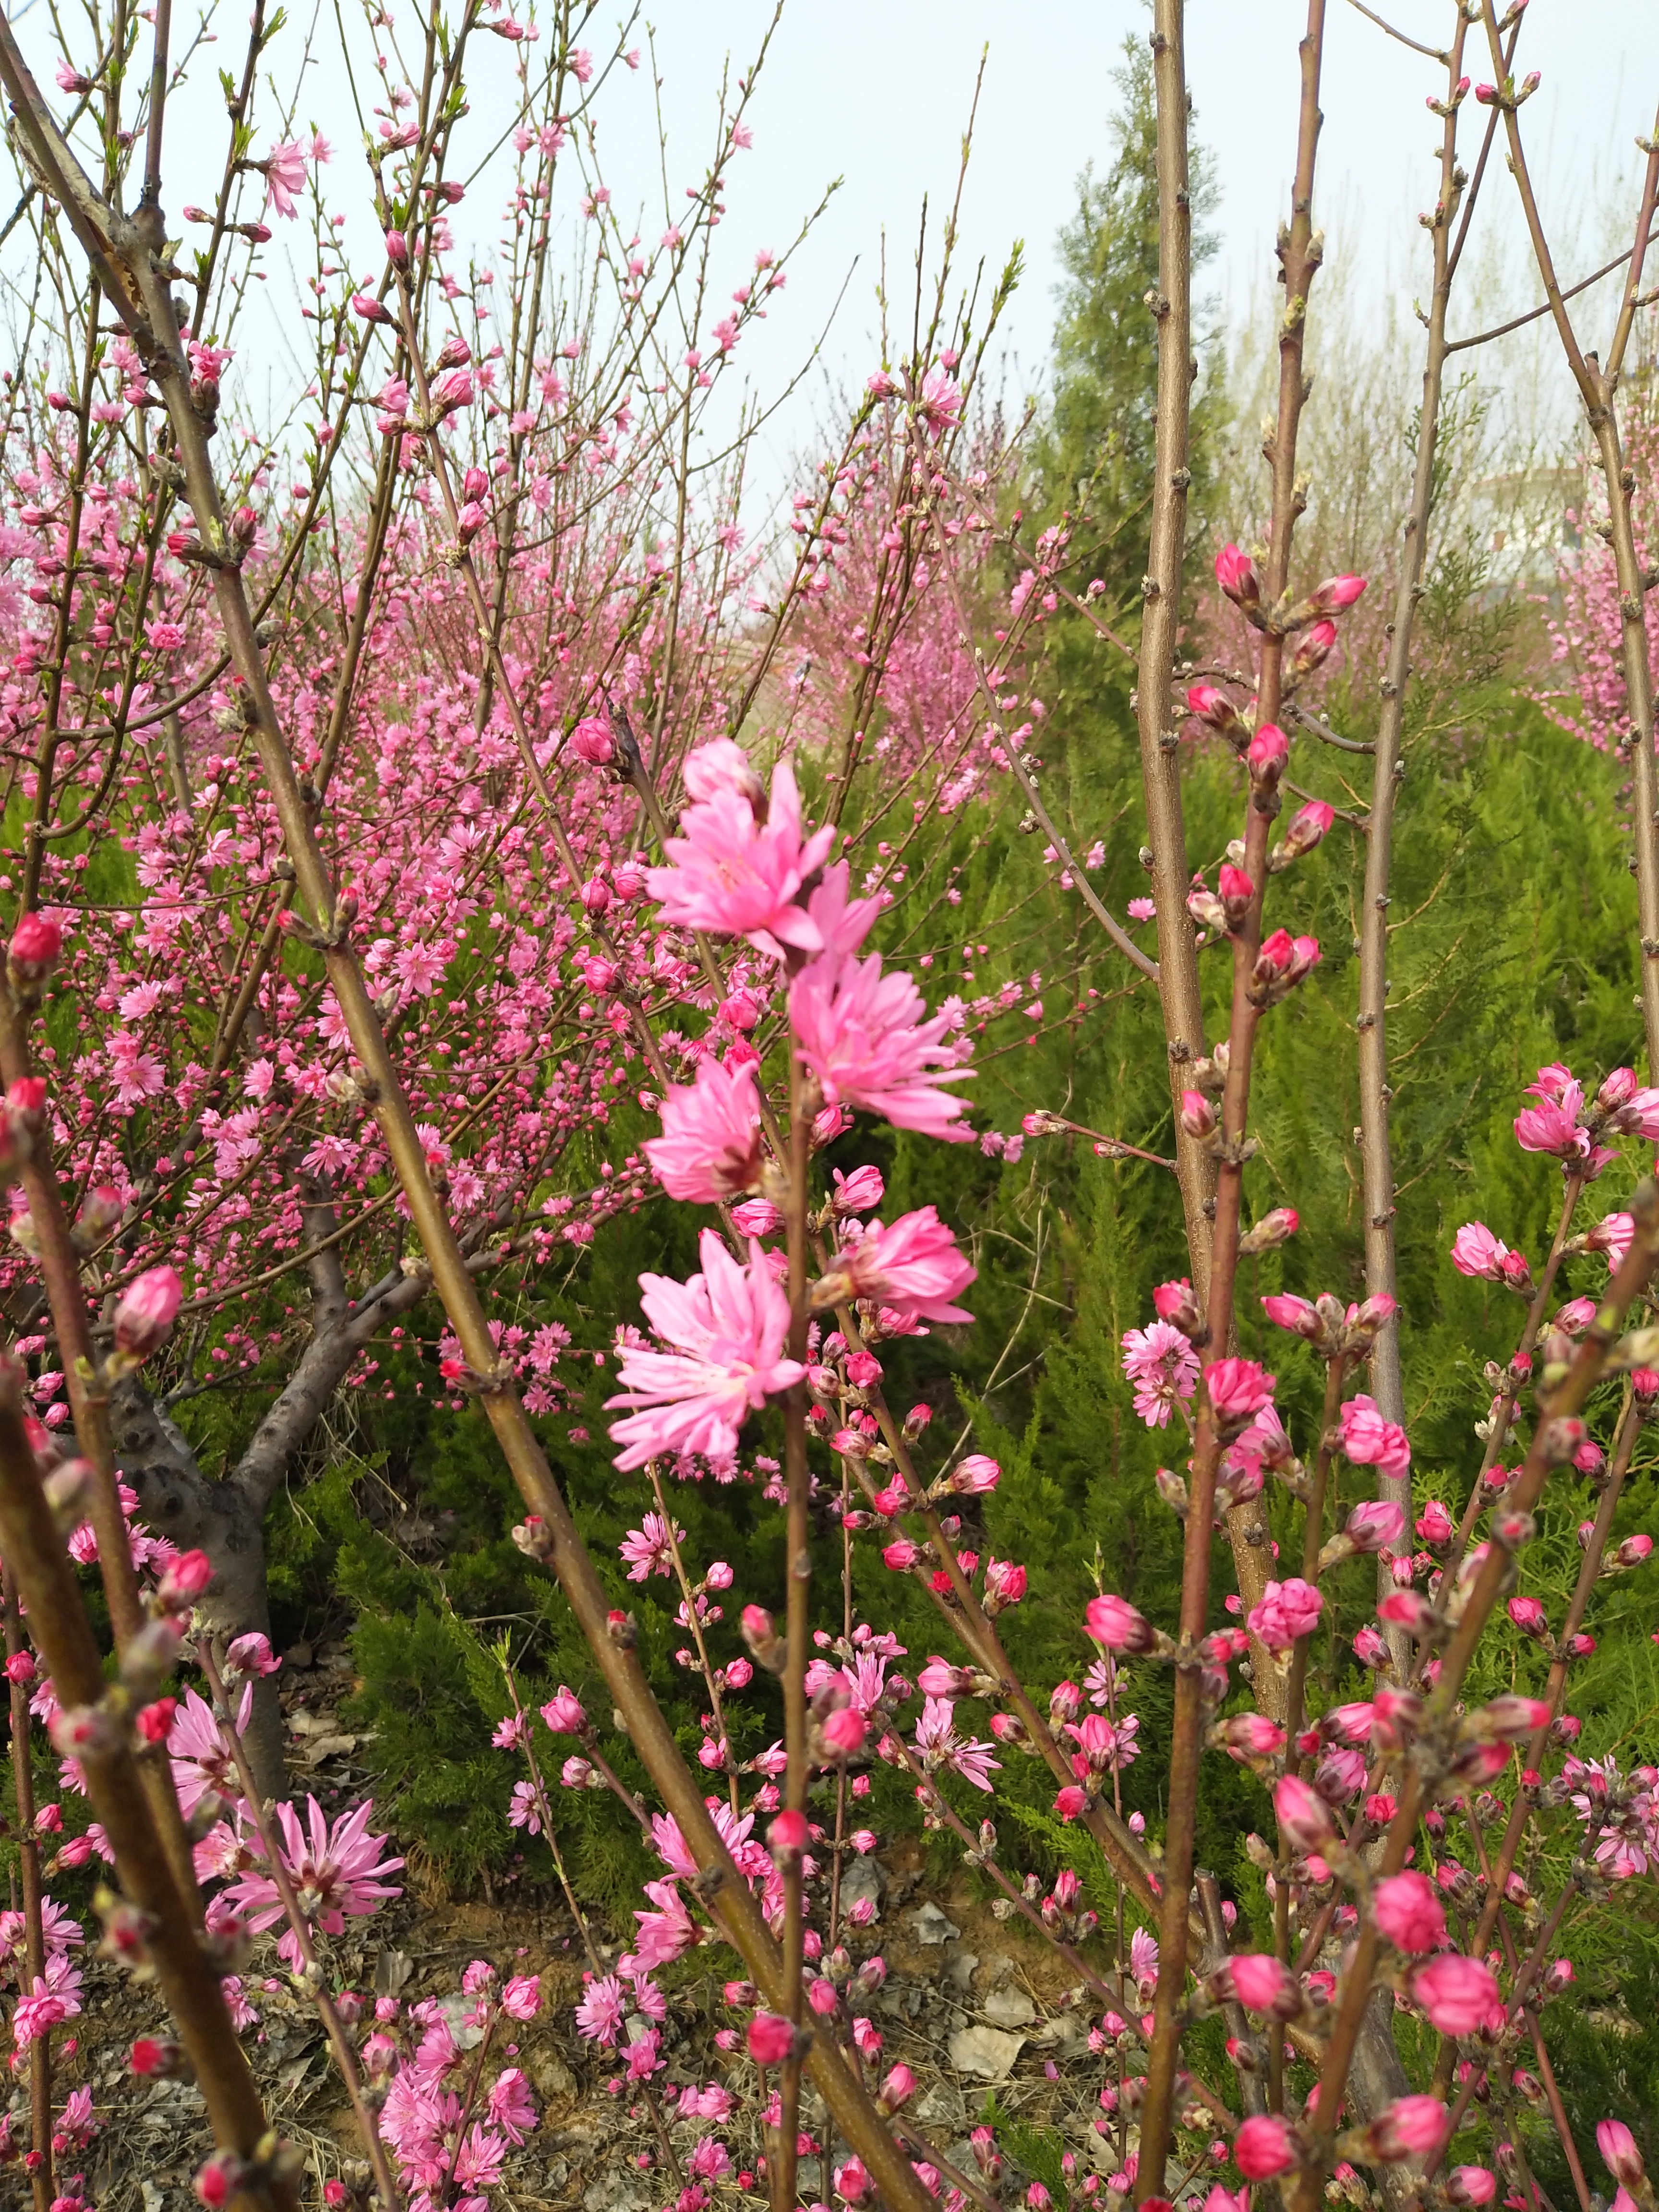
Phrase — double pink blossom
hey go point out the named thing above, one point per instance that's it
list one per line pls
(912, 1266)
(1408, 1911)
(710, 1145)
(1237, 1389)
(1266, 2144)
(1458, 1995)
(1287, 1611)
(334, 1870)
(737, 871)
(1475, 1251)
(1163, 1368)
(1369, 1441)
(727, 1329)
(870, 1041)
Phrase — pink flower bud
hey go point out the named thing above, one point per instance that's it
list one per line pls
(823, 1996)
(1307, 826)
(1114, 1622)
(1266, 753)
(1260, 1983)
(1005, 1585)
(185, 1580)
(1276, 1227)
(1408, 1914)
(1620, 2154)
(35, 944)
(563, 1713)
(788, 1836)
(397, 248)
(1266, 2145)
(146, 1311)
(1457, 1994)
(976, 1476)
(1237, 1388)
(1213, 706)
(1197, 1114)
(844, 1731)
(368, 308)
(1411, 2127)
(1369, 1526)
(1300, 1315)
(1304, 1819)
(1471, 2184)
(592, 741)
(1071, 1802)
(1336, 594)
(1235, 574)
(1313, 648)
(596, 896)
(900, 1556)
(1253, 1736)
(897, 2089)
(1236, 891)
(863, 1370)
(771, 2038)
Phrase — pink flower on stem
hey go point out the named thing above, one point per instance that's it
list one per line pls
(648, 1551)
(1114, 1622)
(939, 406)
(870, 1042)
(771, 2038)
(737, 871)
(1260, 1983)
(1266, 2145)
(146, 1310)
(1287, 1611)
(1370, 1526)
(1237, 1389)
(710, 1147)
(913, 1267)
(1619, 2153)
(1458, 1995)
(1369, 1441)
(334, 1870)
(1235, 574)
(1411, 2127)
(1305, 1818)
(563, 1714)
(1307, 827)
(285, 174)
(1409, 1913)
(1336, 594)
(726, 1327)
(1163, 1368)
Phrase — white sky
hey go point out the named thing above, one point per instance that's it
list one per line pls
(877, 92)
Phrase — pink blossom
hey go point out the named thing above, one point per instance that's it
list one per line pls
(710, 1147)
(939, 1745)
(663, 1934)
(1114, 1622)
(1619, 2153)
(726, 1327)
(1458, 1995)
(521, 1998)
(145, 1312)
(1471, 2184)
(913, 1267)
(974, 1475)
(563, 1713)
(1551, 1129)
(771, 2038)
(737, 873)
(1409, 1913)
(1307, 826)
(1235, 574)
(1379, 1521)
(861, 1192)
(1260, 1983)
(648, 1551)
(1266, 2145)
(602, 2009)
(1304, 1819)
(334, 1870)
(1237, 1388)
(940, 404)
(1287, 1611)
(285, 174)
(1411, 2127)
(1369, 1441)
(1162, 1367)
(870, 1041)
(1336, 594)
(511, 2107)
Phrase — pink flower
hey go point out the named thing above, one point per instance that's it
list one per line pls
(200, 1756)
(1237, 1388)
(1380, 1522)
(1611, 1236)
(1551, 1129)
(146, 1310)
(563, 1713)
(521, 1999)
(1235, 574)
(1369, 1441)
(334, 1870)
(1162, 1367)
(870, 1041)
(1457, 1994)
(285, 174)
(1260, 1983)
(603, 2008)
(1471, 2184)
(771, 2038)
(1305, 1818)
(940, 404)
(664, 1935)
(914, 1267)
(1115, 1623)
(35, 944)
(736, 872)
(1299, 1316)
(1411, 2127)
(1475, 1251)
(511, 2107)
(1336, 594)
(726, 1327)
(1307, 827)
(861, 1192)
(1288, 1610)
(1265, 2145)
(647, 1550)
(939, 1745)
(1620, 2154)
(1409, 1913)
(710, 1147)
(974, 1475)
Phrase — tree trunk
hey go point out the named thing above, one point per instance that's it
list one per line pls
(220, 1518)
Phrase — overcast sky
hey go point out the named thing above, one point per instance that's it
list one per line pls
(877, 93)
